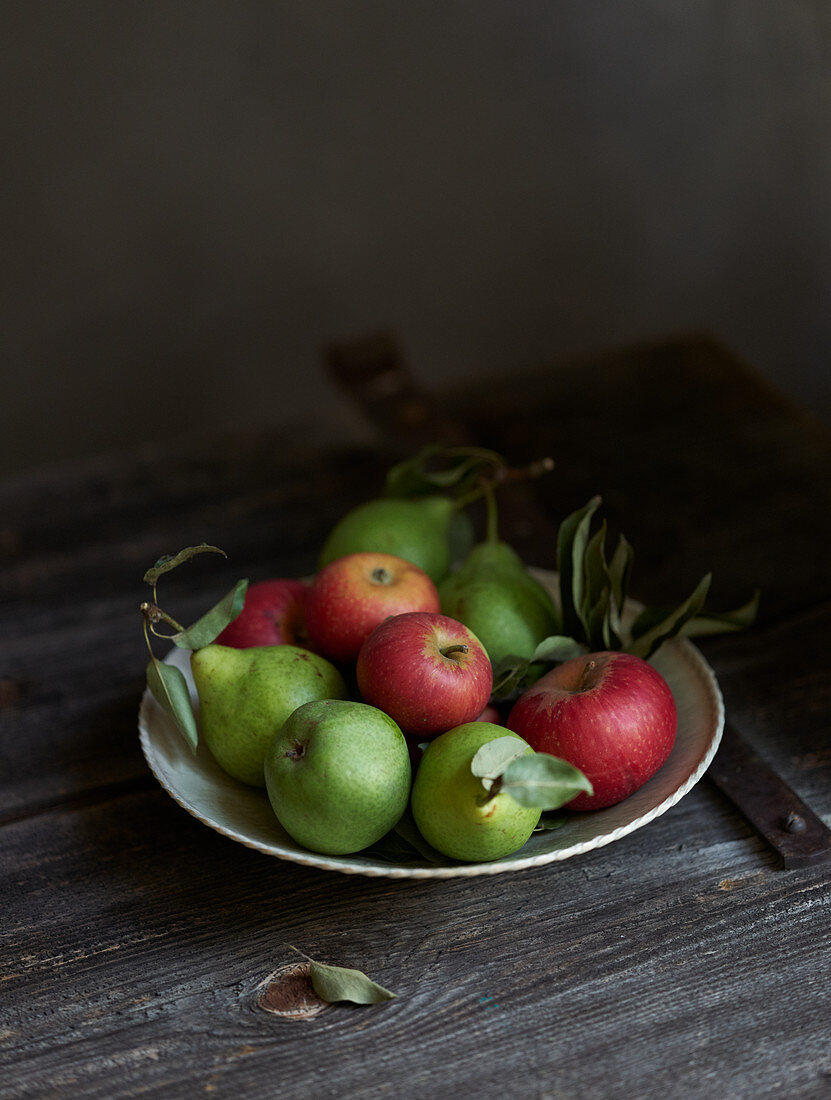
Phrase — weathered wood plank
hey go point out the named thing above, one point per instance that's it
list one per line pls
(134, 941)
(679, 960)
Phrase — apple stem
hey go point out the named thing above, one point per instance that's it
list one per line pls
(450, 650)
(380, 575)
(590, 667)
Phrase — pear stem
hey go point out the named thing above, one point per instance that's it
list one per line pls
(525, 473)
(502, 474)
(492, 791)
(153, 614)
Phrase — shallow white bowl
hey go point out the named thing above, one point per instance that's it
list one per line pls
(244, 813)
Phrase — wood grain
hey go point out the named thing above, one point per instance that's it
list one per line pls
(679, 960)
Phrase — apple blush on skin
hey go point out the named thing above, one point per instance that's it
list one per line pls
(274, 613)
(427, 671)
(610, 714)
(350, 596)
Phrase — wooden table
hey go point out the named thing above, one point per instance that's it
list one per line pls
(680, 960)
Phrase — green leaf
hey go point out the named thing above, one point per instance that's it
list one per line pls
(595, 572)
(646, 642)
(558, 648)
(170, 561)
(407, 829)
(620, 570)
(723, 622)
(395, 848)
(571, 544)
(548, 822)
(493, 758)
(170, 690)
(593, 598)
(213, 622)
(597, 623)
(543, 781)
(508, 676)
(339, 983)
(516, 674)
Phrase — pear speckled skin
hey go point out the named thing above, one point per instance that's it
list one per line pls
(451, 806)
(494, 596)
(338, 775)
(417, 530)
(246, 695)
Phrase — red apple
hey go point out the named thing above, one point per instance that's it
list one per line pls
(350, 596)
(427, 671)
(274, 613)
(490, 714)
(611, 715)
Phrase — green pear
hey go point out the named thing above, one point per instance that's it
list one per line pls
(338, 775)
(496, 597)
(453, 810)
(246, 695)
(423, 530)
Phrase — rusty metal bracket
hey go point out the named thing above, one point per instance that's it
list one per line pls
(372, 371)
(773, 808)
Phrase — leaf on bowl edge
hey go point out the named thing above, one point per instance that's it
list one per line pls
(170, 691)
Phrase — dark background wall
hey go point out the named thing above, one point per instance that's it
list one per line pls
(197, 196)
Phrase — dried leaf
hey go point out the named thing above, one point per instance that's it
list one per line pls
(170, 561)
(339, 983)
(170, 690)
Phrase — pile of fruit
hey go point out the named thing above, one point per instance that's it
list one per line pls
(420, 678)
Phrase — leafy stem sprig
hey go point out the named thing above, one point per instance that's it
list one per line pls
(535, 780)
(165, 681)
(593, 591)
(465, 473)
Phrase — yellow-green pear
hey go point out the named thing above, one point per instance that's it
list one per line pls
(496, 597)
(453, 810)
(245, 696)
(421, 530)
